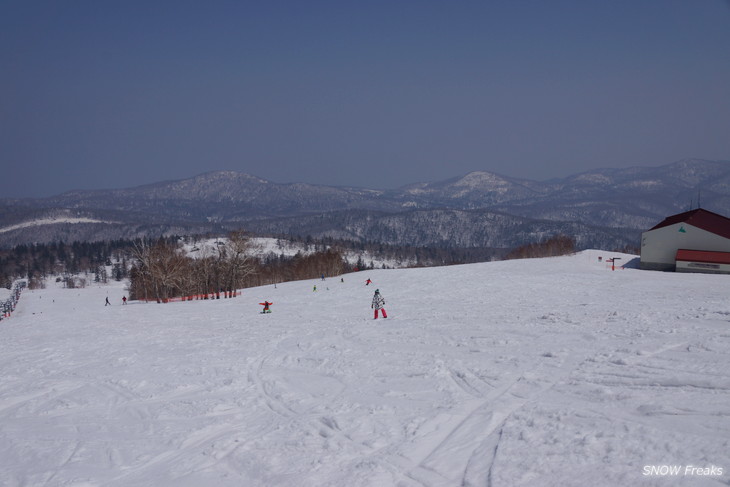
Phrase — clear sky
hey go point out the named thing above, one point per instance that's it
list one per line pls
(108, 94)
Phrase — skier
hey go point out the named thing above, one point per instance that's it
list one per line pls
(367, 283)
(266, 305)
(124, 300)
(107, 303)
(378, 303)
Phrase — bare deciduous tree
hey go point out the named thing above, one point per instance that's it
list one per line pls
(164, 270)
(236, 261)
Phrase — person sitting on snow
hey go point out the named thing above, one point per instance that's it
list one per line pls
(266, 305)
(378, 303)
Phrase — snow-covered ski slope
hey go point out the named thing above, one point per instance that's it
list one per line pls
(534, 372)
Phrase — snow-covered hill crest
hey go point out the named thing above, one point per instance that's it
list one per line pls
(49, 221)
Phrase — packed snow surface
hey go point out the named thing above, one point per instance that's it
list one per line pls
(49, 221)
(551, 371)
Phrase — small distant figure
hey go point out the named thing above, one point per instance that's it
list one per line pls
(124, 300)
(368, 282)
(107, 303)
(378, 303)
(266, 305)
(323, 277)
(342, 279)
(315, 288)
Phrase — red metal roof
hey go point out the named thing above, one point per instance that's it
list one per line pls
(685, 255)
(706, 220)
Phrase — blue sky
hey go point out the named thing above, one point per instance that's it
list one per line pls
(100, 94)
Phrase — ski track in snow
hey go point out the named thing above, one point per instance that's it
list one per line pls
(537, 372)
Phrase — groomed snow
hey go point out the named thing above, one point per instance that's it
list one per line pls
(534, 372)
(49, 221)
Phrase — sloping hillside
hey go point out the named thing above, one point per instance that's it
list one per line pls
(518, 373)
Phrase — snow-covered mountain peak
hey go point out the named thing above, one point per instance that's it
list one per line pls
(233, 198)
(228, 177)
(593, 178)
(481, 179)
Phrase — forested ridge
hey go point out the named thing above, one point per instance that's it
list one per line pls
(163, 268)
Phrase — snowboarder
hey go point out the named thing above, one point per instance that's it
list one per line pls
(367, 283)
(107, 303)
(266, 305)
(124, 300)
(378, 303)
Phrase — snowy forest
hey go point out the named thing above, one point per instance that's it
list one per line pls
(165, 270)
(173, 267)
(36, 262)
(162, 268)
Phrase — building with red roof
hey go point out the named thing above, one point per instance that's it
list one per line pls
(693, 241)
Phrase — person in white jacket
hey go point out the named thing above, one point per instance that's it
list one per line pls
(378, 303)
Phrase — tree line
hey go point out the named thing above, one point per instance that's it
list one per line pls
(160, 269)
(36, 262)
(403, 255)
(165, 270)
(551, 247)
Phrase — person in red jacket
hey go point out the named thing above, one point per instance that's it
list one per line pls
(266, 305)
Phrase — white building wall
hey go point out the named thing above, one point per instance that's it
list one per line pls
(659, 247)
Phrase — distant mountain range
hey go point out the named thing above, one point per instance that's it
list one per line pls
(605, 208)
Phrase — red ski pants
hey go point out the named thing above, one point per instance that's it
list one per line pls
(385, 315)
